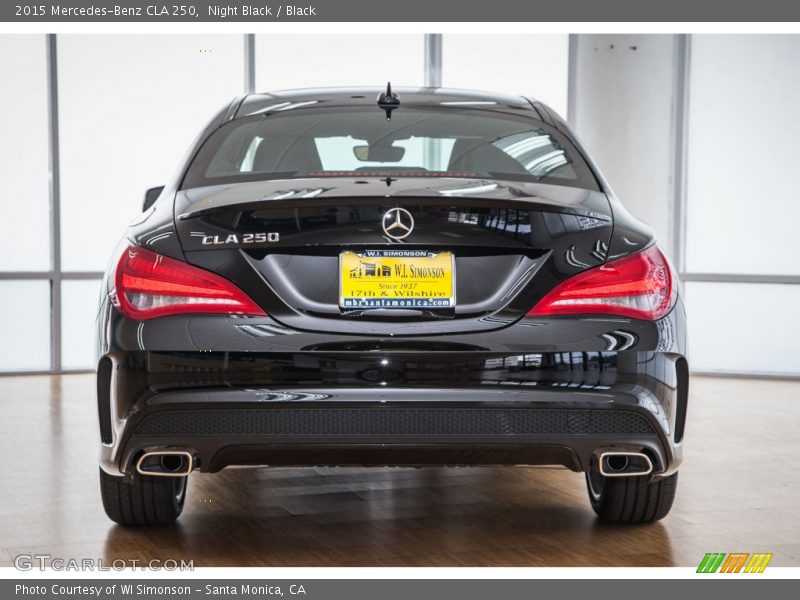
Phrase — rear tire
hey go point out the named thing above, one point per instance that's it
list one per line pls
(143, 500)
(631, 499)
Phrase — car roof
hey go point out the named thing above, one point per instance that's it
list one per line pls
(367, 96)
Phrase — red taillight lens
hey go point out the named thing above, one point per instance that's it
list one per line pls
(151, 285)
(638, 286)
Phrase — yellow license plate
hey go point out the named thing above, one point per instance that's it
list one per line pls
(396, 279)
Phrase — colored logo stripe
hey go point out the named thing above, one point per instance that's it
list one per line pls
(711, 562)
(758, 562)
(734, 563)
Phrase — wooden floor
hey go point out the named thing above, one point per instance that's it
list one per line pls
(739, 491)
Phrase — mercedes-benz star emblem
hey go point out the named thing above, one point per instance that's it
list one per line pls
(398, 223)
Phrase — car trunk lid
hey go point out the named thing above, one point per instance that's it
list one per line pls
(282, 242)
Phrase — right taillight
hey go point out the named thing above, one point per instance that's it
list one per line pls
(640, 286)
(149, 285)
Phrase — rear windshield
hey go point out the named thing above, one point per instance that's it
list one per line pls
(361, 142)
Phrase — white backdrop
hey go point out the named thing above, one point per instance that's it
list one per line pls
(23, 153)
(24, 342)
(129, 106)
(295, 61)
(743, 203)
(532, 65)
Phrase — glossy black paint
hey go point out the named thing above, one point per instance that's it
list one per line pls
(513, 242)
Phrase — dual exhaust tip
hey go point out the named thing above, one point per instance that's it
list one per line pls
(179, 463)
(165, 463)
(624, 464)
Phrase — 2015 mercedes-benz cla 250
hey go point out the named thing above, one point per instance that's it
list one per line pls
(364, 277)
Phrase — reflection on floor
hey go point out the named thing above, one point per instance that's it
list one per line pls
(739, 492)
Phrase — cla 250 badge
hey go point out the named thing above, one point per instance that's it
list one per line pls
(234, 238)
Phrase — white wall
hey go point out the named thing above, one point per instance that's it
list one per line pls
(129, 107)
(624, 114)
(743, 203)
(533, 65)
(296, 61)
(79, 302)
(24, 153)
(24, 325)
(744, 138)
(24, 198)
(743, 327)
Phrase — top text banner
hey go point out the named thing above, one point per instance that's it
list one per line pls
(133, 11)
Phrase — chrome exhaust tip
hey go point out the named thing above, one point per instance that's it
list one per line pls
(624, 464)
(165, 463)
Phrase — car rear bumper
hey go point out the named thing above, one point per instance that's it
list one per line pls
(352, 408)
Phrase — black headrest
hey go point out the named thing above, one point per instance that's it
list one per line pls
(481, 157)
(279, 153)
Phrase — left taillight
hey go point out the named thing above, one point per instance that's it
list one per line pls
(149, 285)
(640, 285)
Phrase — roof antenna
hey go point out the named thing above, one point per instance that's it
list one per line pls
(388, 101)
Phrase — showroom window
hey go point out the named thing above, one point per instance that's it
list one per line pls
(533, 65)
(25, 252)
(739, 266)
(105, 171)
(23, 94)
(281, 63)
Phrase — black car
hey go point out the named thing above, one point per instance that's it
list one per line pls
(363, 277)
